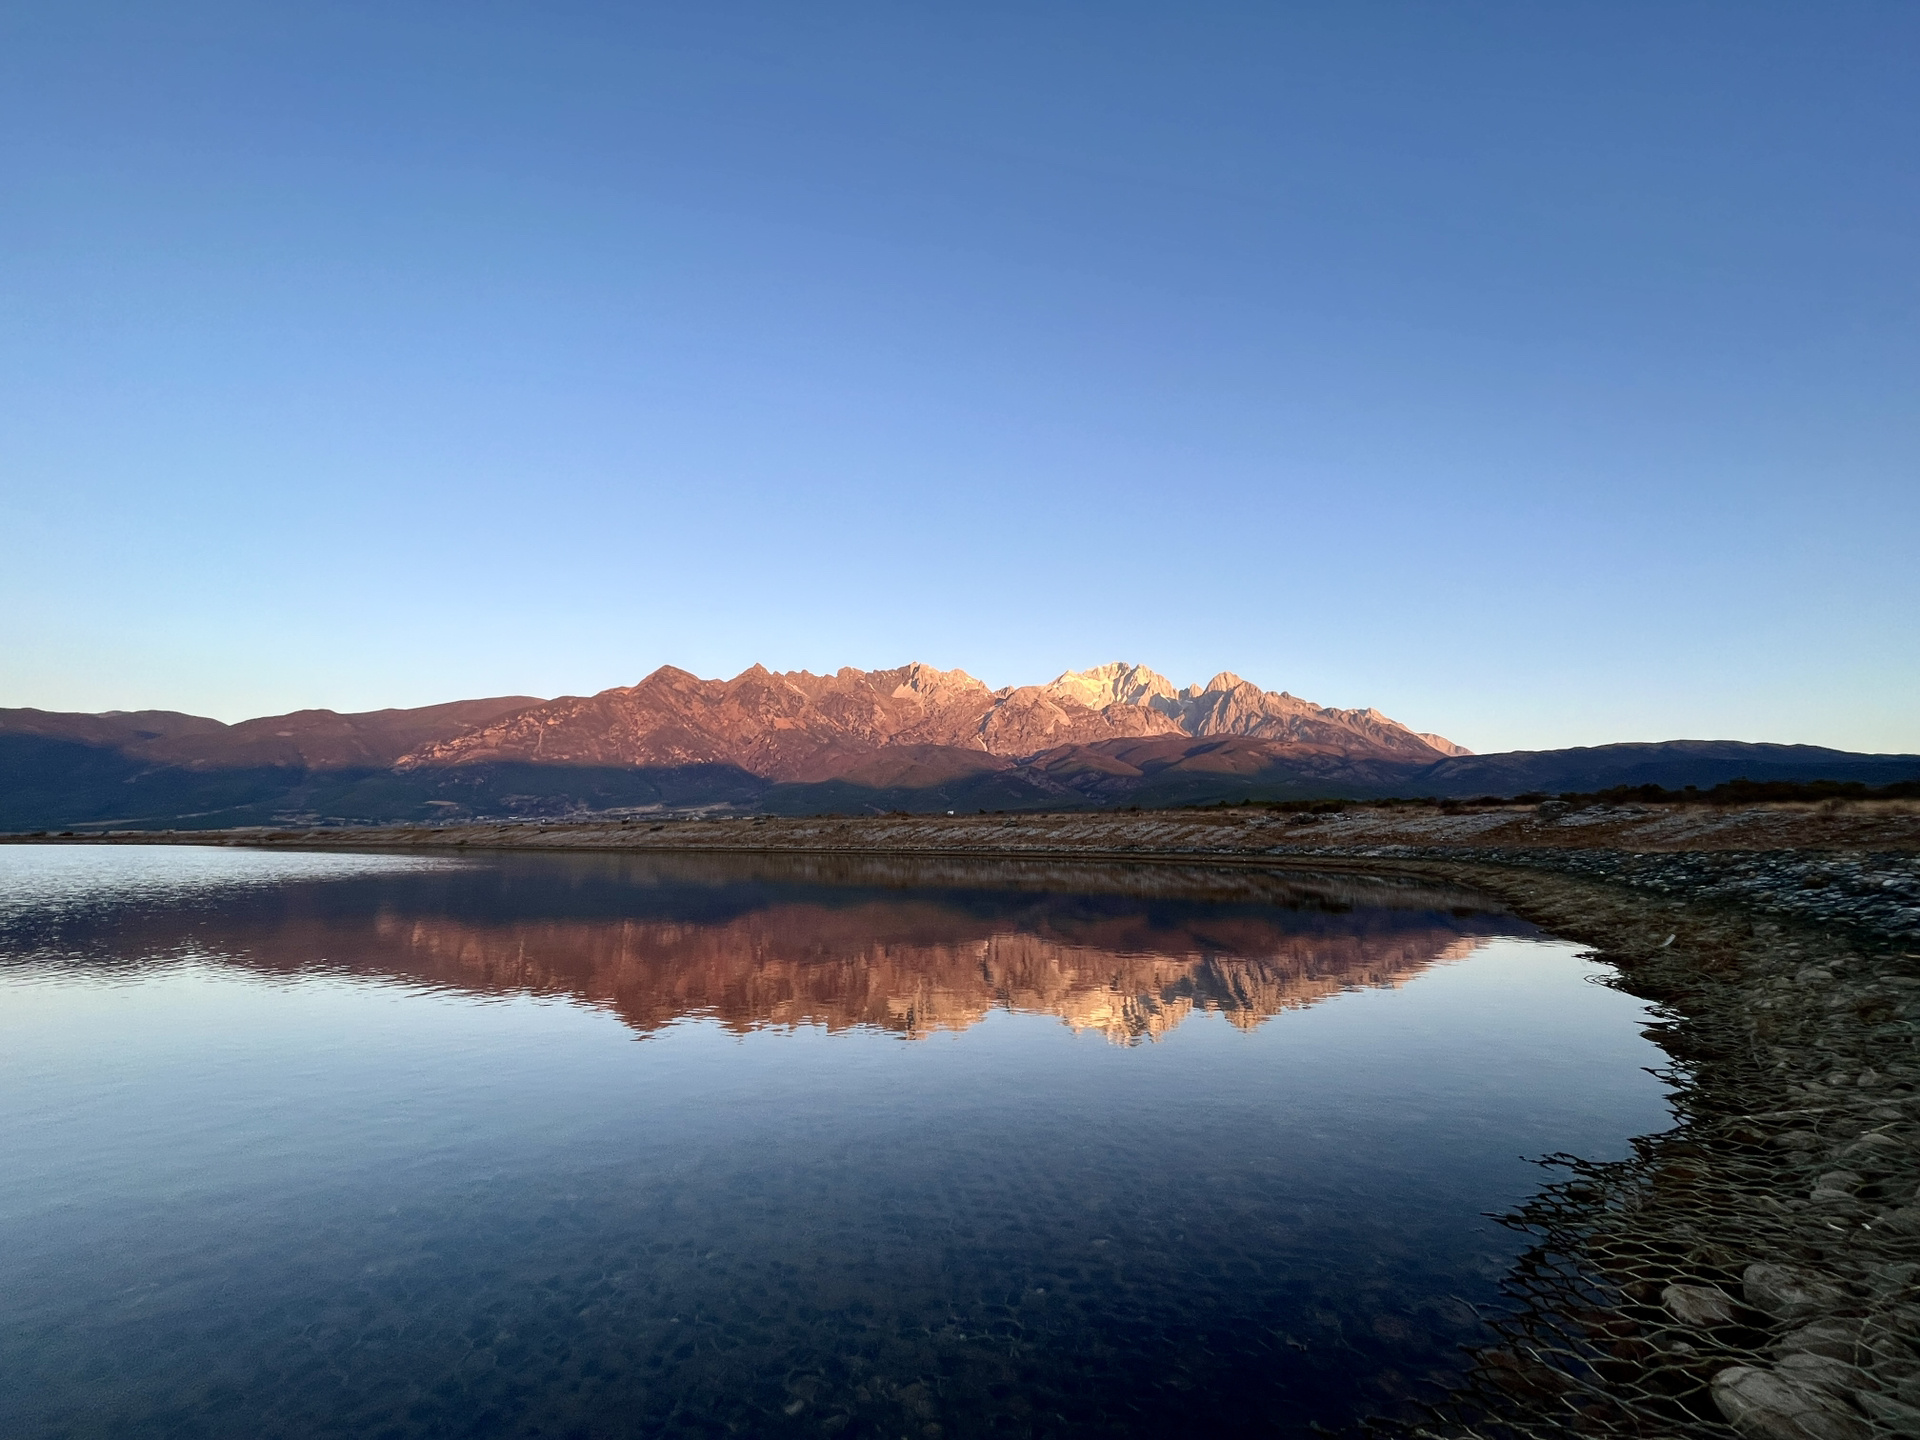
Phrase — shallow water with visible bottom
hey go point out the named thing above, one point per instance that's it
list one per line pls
(379, 1146)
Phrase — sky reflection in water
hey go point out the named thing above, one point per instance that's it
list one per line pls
(327, 1144)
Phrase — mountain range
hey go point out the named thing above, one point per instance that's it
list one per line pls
(909, 738)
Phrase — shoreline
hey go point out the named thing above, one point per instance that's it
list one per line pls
(1236, 830)
(1855, 864)
(1751, 1270)
(1756, 1264)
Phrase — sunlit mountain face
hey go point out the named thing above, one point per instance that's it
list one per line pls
(910, 739)
(905, 947)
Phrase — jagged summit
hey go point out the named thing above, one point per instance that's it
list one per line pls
(1116, 684)
(801, 726)
(914, 738)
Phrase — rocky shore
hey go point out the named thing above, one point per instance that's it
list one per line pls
(1750, 1271)
(1754, 1267)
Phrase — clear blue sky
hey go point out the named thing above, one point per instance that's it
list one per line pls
(1542, 374)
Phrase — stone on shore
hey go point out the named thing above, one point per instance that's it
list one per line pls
(1836, 1184)
(1836, 1377)
(1904, 1221)
(1787, 1293)
(1703, 1306)
(1901, 1419)
(1839, 1339)
(1874, 1145)
(1765, 1405)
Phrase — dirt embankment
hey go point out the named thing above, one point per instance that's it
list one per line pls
(1248, 831)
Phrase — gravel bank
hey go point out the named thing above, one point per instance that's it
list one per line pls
(1752, 1271)
(1877, 895)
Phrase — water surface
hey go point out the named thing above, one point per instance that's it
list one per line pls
(305, 1144)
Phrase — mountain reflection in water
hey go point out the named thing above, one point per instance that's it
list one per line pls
(337, 1145)
(906, 946)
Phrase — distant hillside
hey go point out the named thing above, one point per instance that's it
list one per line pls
(912, 738)
(1674, 764)
(148, 768)
(308, 739)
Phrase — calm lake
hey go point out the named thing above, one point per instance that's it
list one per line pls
(360, 1145)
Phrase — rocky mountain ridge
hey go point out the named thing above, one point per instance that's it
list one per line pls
(800, 727)
(913, 738)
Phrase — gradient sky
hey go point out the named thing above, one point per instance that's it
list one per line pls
(1541, 374)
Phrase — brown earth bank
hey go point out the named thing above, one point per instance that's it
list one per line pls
(1750, 1271)
(1239, 830)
